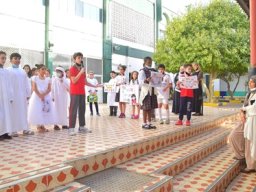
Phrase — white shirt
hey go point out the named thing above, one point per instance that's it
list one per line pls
(166, 81)
(94, 82)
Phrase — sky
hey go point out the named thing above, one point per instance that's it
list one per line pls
(179, 6)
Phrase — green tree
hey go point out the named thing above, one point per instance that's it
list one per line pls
(216, 36)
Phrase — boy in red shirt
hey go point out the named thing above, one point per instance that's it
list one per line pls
(77, 94)
(186, 98)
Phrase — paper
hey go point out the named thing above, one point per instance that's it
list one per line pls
(189, 82)
(109, 88)
(129, 94)
(156, 79)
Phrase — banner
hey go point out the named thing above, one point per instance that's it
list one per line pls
(109, 88)
(156, 79)
(190, 82)
(129, 94)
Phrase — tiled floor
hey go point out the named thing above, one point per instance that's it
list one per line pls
(29, 154)
(243, 182)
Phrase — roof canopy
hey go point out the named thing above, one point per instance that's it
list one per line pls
(245, 6)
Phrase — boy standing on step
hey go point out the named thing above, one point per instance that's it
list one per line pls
(77, 94)
(186, 98)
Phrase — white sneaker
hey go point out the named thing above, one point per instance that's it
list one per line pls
(167, 121)
(28, 132)
(15, 134)
(84, 130)
(72, 131)
(161, 121)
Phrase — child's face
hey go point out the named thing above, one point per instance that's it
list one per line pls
(26, 69)
(195, 66)
(148, 63)
(121, 70)
(112, 75)
(42, 71)
(188, 69)
(78, 59)
(2, 59)
(181, 69)
(161, 70)
(135, 76)
(252, 84)
(15, 60)
(91, 75)
(59, 74)
(67, 74)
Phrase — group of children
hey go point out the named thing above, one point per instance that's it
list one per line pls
(34, 98)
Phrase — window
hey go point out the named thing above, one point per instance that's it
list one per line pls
(79, 8)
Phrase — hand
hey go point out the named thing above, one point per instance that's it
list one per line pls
(99, 85)
(82, 70)
(148, 79)
(165, 89)
(28, 98)
(52, 100)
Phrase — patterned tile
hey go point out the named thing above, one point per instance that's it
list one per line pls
(219, 168)
(178, 155)
(72, 187)
(243, 182)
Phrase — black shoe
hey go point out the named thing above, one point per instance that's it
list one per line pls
(248, 170)
(1, 138)
(98, 114)
(145, 126)
(91, 114)
(196, 114)
(115, 114)
(65, 127)
(6, 136)
(151, 126)
(56, 128)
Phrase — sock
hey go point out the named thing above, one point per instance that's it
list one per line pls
(160, 113)
(167, 114)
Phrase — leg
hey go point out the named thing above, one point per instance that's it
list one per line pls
(249, 160)
(138, 109)
(160, 110)
(74, 104)
(144, 116)
(149, 116)
(124, 108)
(91, 109)
(189, 108)
(111, 110)
(81, 110)
(166, 107)
(182, 108)
(115, 111)
(97, 107)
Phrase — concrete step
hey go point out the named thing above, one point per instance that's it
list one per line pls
(243, 182)
(176, 158)
(213, 173)
(120, 180)
(72, 187)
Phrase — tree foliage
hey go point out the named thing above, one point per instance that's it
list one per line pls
(216, 36)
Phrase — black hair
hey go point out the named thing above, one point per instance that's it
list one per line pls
(77, 54)
(187, 65)
(161, 66)
(30, 71)
(39, 66)
(15, 55)
(113, 72)
(2, 53)
(122, 66)
(66, 70)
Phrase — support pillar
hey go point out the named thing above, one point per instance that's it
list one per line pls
(253, 36)
(107, 45)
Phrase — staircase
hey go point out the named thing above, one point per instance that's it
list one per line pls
(203, 162)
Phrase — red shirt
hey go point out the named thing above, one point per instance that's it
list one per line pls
(186, 92)
(77, 88)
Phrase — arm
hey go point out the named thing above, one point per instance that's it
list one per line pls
(142, 78)
(48, 89)
(89, 84)
(34, 88)
(74, 79)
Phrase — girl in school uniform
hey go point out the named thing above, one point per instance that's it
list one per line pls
(135, 105)
(121, 80)
(40, 110)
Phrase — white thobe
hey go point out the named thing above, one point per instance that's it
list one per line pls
(21, 92)
(6, 96)
(60, 95)
(250, 124)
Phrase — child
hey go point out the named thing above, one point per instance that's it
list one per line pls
(92, 97)
(21, 94)
(163, 94)
(6, 98)
(112, 95)
(186, 98)
(176, 97)
(60, 92)
(134, 81)
(40, 110)
(77, 94)
(148, 99)
(121, 80)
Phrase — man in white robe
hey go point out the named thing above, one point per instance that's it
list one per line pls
(6, 98)
(21, 94)
(60, 91)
